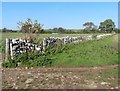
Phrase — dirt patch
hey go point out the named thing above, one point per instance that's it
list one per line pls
(58, 78)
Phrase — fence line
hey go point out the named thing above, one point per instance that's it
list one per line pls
(19, 46)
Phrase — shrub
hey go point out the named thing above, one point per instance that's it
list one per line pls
(31, 59)
(22, 57)
(43, 61)
(30, 37)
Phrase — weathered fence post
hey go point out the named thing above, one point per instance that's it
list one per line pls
(11, 51)
(44, 44)
(6, 49)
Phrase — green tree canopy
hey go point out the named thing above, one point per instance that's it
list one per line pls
(89, 25)
(107, 25)
(59, 30)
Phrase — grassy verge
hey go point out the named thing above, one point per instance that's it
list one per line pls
(88, 53)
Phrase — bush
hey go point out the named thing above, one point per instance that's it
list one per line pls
(22, 58)
(43, 61)
(30, 37)
(32, 59)
(58, 47)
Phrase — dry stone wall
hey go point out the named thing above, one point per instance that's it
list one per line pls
(18, 46)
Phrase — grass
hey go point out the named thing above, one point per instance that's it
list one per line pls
(88, 53)
(17, 35)
(110, 76)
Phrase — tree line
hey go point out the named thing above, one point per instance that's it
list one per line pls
(30, 26)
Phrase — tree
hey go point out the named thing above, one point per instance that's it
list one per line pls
(61, 30)
(55, 30)
(88, 26)
(29, 26)
(4, 29)
(94, 29)
(108, 25)
(37, 27)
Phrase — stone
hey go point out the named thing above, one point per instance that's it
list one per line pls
(28, 81)
(27, 85)
(116, 87)
(112, 88)
(29, 73)
(26, 67)
(104, 83)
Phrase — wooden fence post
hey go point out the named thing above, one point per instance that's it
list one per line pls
(11, 51)
(6, 50)
(44, 44)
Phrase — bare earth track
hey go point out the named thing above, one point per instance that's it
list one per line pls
(57, 78)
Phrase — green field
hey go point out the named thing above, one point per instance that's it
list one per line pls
(86, 53)
(18, 35)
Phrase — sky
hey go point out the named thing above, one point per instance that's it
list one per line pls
(69, 15)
